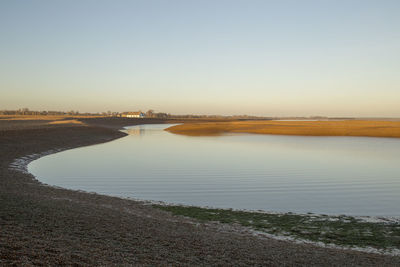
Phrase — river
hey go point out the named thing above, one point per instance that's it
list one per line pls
(325, 175)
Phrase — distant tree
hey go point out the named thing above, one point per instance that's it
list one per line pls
(23, 111)
(150, 113)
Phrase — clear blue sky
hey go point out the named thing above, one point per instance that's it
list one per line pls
(334, 58)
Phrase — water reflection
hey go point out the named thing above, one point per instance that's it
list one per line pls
(333, 175)
(138, 131)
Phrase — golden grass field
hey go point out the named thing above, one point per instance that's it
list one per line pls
(12, 122)
(306, 128)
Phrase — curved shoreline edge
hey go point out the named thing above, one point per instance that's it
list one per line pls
(53, 225)
(21, 164)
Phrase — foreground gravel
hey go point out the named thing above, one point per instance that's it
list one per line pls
(43, 225)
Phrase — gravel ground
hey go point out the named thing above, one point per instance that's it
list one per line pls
(42, 225)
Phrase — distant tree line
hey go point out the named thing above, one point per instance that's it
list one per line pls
(26, 111)
(150, 114)
(232, 117)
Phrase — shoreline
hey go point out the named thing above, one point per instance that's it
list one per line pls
(21, 165)
(249, 221)
(42, 224)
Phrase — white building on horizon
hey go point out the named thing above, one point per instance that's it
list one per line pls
(137, 114)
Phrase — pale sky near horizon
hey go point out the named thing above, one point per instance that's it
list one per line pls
(269, 58)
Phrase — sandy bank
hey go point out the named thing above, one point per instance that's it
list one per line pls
(305, 128)
(42, 225)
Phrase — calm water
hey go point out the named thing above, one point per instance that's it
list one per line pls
(330, 175)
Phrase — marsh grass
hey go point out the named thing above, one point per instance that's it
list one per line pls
(305, 128)
(339, 230)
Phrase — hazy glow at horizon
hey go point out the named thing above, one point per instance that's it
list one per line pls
(273, 58)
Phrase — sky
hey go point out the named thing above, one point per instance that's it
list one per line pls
(266, 58)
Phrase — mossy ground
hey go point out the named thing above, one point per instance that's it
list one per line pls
(339, 230)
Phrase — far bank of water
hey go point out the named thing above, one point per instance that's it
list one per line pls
(328, 175)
